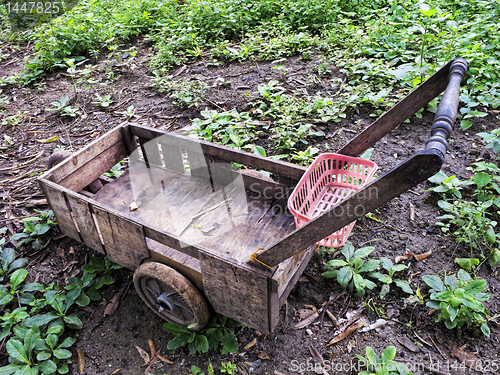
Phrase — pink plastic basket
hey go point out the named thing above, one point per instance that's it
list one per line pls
(329, 180)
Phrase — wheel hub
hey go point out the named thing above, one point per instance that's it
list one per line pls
(165, 303)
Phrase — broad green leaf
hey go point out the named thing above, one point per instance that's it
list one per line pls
(369, 266)
(40, 320)
(17, 278)
(73, 322)
(178, 341)
(370, 355)
(68, 342)
(229, 342)
(363, 252)
(201, 343)
(16, 349)
(7, 257)
(452, 281)
(330, 274)
(344, 275)
(369, 284)
(388, 354)
(51, 340)
(481, 179)
(367, 154)
(434, 282)
(48, 367)
(399, 267)
(359, 282)
(404, 285)
(462, 275)
(258, 150)
(64, 354)
(465, 124)
(13, 369)
(175, 329)
(384, 290)
(347, 250)
(385, 279)
(485, 329)
(475, 286)
(336, 263)
(31, 287)
(42, 356)
(386, 263)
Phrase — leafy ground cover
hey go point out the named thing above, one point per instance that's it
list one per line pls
(287, 80)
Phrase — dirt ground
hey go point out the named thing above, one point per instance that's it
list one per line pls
(109, 342)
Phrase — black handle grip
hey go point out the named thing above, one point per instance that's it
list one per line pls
(447, 110)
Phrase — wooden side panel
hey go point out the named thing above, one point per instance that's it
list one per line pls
(124, 240)
(58, 204)
(170, 241)
(88, 153)
(198, 165)
(85, 221)
(172, 157)
(235, 292)
(86, 173)
(152, 151)
(257, 162)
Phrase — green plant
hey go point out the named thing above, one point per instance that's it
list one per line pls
(14, 120)
(21, 293)
(217, 333)
(305, 157)
(35, 230)
(492, 140)
(458, 301)
(103, 101)
(70, 64)
(184, 93)
(9, 263)
(388, 279)
(352, 267)
(447, 185)
(129, 113)
(7, 141)
(115, 171)
(384, 365)
(229, 368)
(103, 270)
(63, 108)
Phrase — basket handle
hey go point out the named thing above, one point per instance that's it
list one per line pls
(416, 169)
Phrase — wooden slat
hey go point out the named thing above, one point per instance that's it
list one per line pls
(85, 155)
(85, 221)
(257, 162)
(398, 180)
(172, 157)
(235, 292)
(88, 172)
(403, 110)
(57, 202)
(124, 240)
(128, 139)
(171, 240)
(152, 152)
(198, 165)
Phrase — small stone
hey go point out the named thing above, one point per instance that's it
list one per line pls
(309, 332)
(429, 230)
(403, 237)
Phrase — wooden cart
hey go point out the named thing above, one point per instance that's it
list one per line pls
(205, 234)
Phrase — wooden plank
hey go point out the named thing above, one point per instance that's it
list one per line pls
(198, 166)
(124, 240)
(398, 180)
(88, 172)
(183, 263)
(83, 217)
(57, 203)
(235, 292)
(257, 162)
(171, 240)
(128, 138)
(172, 157)
(86, 154)
(299, 268)
(403, 110)
(152, 152)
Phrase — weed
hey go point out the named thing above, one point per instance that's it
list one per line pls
(13, 120)
(184, 93)
(7, 140)
(388, 279)
(103, 101)
(384, 365)
(228, 367)
(492, 140)
(129, 113)
(63, 108)
(352, 267)
(36, 228)
(115, 171)
(305, 157)
(217, 334)
(458, 301)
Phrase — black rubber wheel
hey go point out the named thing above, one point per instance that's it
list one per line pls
(171, 296)
(57, 157)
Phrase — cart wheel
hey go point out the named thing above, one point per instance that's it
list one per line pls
(170, 295)
(57, 157)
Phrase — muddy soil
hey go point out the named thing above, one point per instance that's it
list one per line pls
(108, 343)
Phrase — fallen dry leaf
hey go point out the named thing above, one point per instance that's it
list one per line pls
(144, 355)
(163, 359)
(378, 323)
(407, 343)
(113, 304)
(346, 333)
(250, 344)
(464, 357)
(263, 355)
(115, 372)
(317, 357)
(305, 313)
(48, 140)
(81, 360)
(148, 369)
(333, 318)
(304, 323)
(152, 348)
(417, 257)
(135, 205)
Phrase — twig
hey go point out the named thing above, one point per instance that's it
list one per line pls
(421, 339)
(439, 350)
(330, 300)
